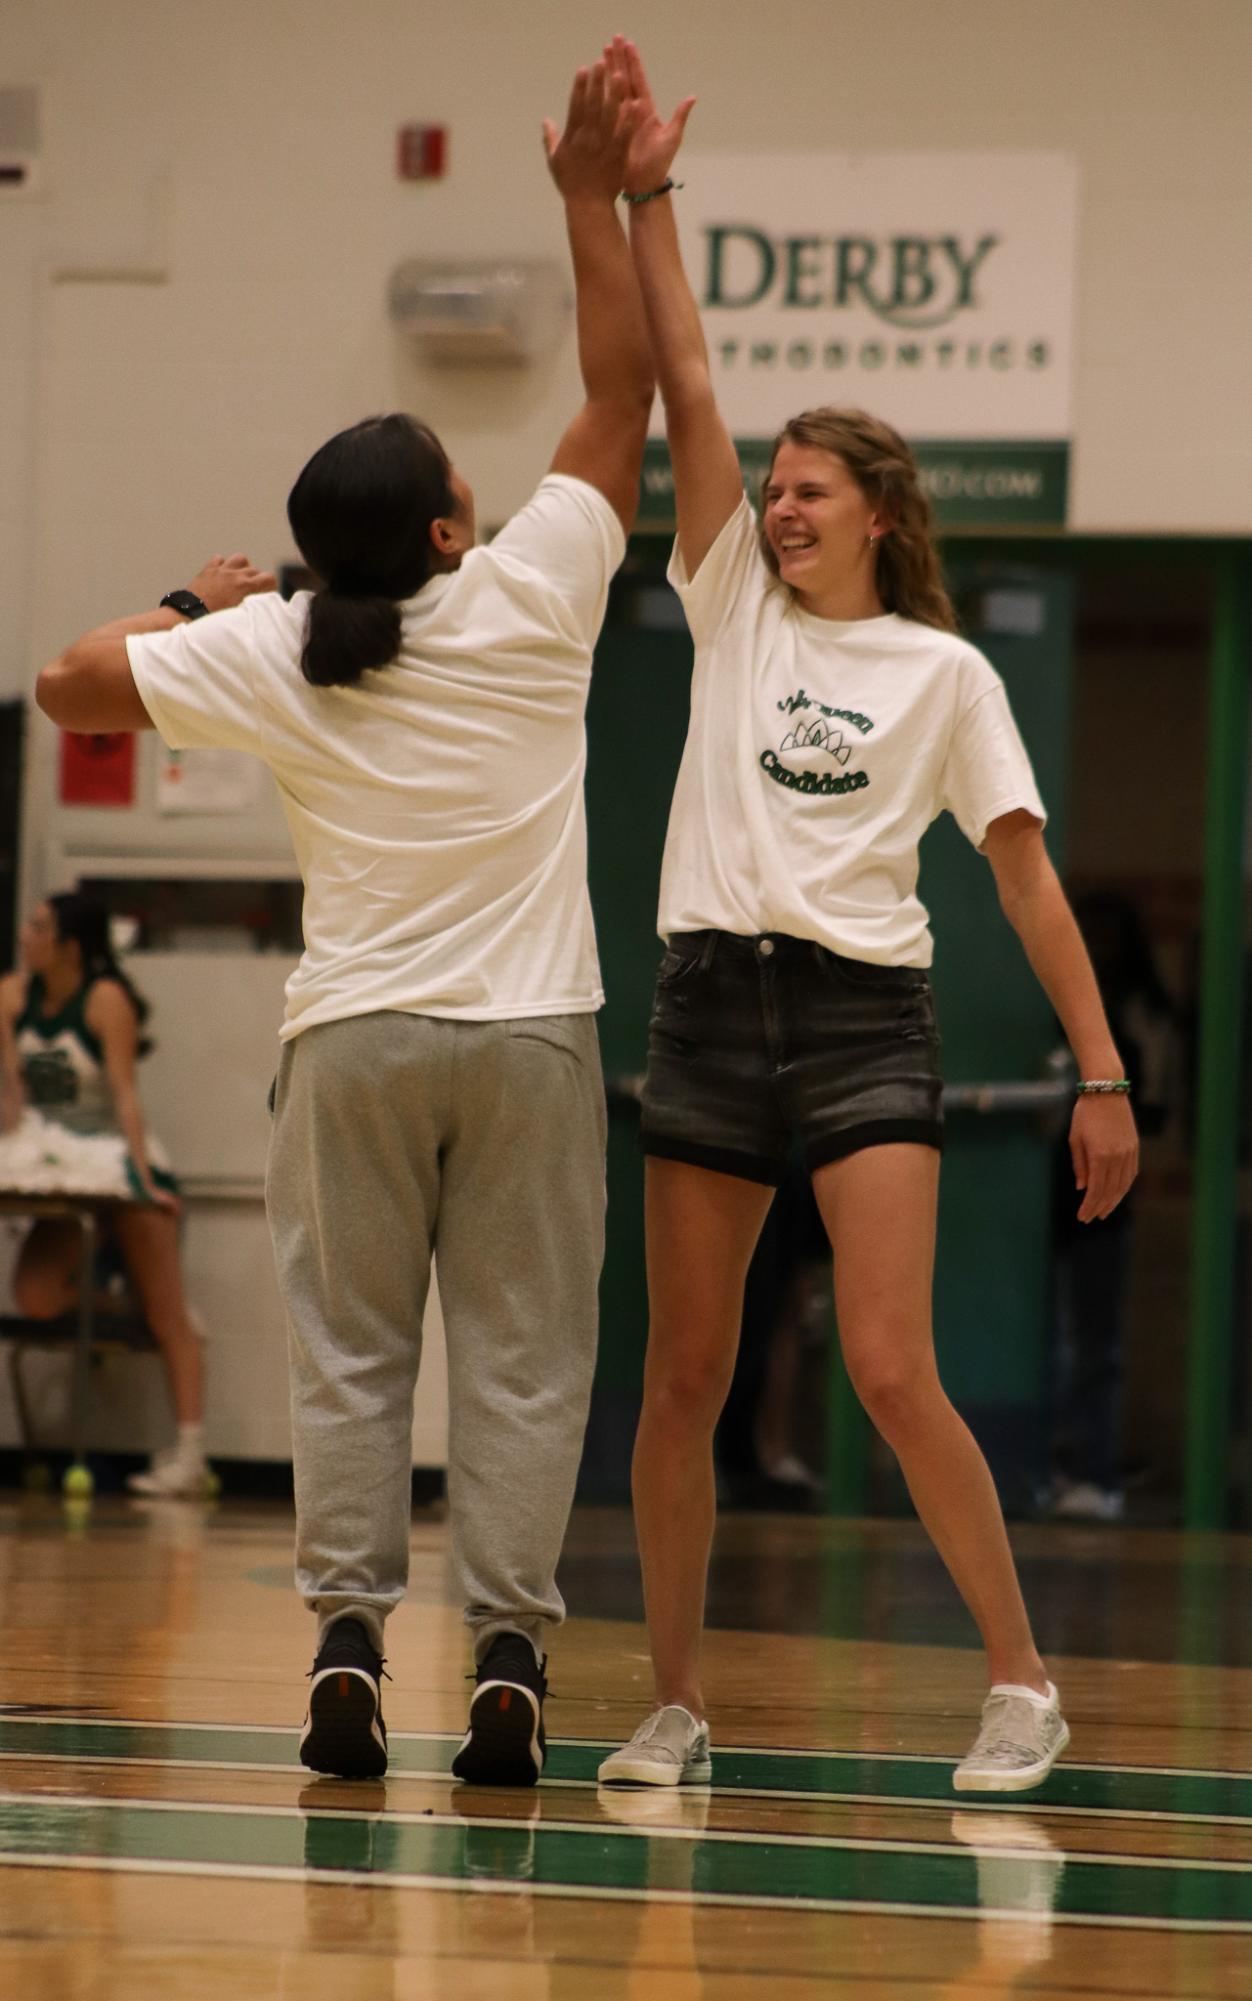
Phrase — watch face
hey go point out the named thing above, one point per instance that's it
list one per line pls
(185, 602)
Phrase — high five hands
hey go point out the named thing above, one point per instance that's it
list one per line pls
(614, 139)
(654, 141)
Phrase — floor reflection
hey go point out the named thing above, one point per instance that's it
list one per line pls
(1020, 1867)
(346, 1828)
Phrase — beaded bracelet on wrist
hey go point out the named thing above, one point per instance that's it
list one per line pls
(1103, 1087)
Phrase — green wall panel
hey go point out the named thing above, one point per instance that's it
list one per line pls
(994, 1259)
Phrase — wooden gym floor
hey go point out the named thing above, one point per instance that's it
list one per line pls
(158, 1837)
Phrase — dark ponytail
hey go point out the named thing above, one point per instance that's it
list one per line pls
(81, 921)
(361, 512)
(346, 636)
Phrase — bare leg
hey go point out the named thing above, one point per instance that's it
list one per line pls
(879, 1207)
(46, 1276)
(149, 1241)
(701, 1231)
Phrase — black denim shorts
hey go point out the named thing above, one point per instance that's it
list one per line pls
(757, 1043)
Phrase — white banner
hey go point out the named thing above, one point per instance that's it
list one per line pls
(934, 289)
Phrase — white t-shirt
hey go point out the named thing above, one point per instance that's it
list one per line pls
(437, 806)
(818, 754)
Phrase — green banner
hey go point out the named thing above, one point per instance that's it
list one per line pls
(971, 483)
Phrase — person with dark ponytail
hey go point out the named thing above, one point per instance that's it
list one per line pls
(439, 1087)
(71, 1029)
(361, 513)
(835, 713)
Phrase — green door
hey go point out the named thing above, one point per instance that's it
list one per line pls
(994, 1260)
(636, 728)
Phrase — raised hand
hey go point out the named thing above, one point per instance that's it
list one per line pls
(227, 580)
(653, 141)
(589, 157)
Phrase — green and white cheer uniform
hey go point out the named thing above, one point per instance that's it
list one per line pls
(69, 1140)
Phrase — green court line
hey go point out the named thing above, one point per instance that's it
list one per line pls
(27, 1714)
(998, 1804)
(846, 1777)
(1044, 1857)
(554, 1861)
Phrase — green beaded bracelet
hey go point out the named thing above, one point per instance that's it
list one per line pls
(1104, 1087)
(666, 187)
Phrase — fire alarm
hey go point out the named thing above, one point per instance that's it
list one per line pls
(421, 152)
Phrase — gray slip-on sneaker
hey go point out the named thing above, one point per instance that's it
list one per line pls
(670, 1749)
(1021, 1738)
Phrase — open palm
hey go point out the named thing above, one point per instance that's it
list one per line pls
(589, 156)
(654, 140)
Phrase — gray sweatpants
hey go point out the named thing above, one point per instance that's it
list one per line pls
(397, 1136)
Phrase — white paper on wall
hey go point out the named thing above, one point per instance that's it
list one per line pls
(207, 781)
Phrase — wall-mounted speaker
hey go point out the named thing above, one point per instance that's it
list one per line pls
(482, 311)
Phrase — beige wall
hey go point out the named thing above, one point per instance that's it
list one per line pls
(198, 295)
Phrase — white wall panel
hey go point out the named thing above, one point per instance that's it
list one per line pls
(253, 169)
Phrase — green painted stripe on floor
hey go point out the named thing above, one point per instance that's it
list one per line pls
(381, 1850)
(888, 1779)
(816, 1775)
(627, 1815)
(190, 1743)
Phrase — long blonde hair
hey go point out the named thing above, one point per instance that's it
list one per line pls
(907, 570)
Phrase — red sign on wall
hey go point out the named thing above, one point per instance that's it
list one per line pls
(421, 152)
(97, 770)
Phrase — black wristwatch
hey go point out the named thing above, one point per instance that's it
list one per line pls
(185, 602)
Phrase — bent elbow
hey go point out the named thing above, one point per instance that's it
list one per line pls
(687, 391)
(633, 403)
(1026, 898)
(1012, 906)
(50, 690)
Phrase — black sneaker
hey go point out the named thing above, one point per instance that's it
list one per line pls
(505, 1744)
(344, 1732)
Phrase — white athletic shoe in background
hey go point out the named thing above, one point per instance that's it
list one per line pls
(175, 1475)
(1083, 1501)
(670, 1749)
(1022, 1736)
